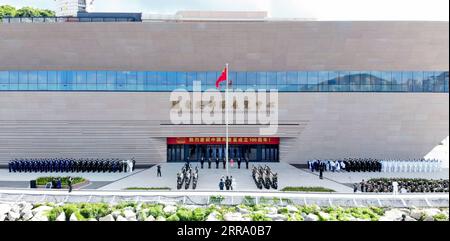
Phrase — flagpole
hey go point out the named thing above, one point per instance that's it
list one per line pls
(226, 120)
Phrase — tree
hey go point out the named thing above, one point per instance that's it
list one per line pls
(7, 11)
(10, 11)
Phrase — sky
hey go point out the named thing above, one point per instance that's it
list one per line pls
(436, 10)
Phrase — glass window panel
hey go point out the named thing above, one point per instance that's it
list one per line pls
(52, 77)
(262, 80)
(181, 80)
(190, 78)
(132, 78)
(344, 78)
(397, 78)
(232, 78)
(201, 76)
(428, 81)
(121, 78)
(355, 79)
(32, 80)
(164, 80)
(333, 78)
(4, 77)
(32, 77)
(439, 85)
(241, 80)
(281, 79)
(101, 78)
(313, 78)
(111, 78)
(13, 80)
(140, 78)
(251, 80)
(418, 81)
(446, 82)
(211, 78)
(302, 78)
(365, 79)
(42, 80)
(91, 78)
(376, 78)
(323, 78)
(292, 78)
(272, 78)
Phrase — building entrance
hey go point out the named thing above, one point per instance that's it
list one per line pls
(181, 150)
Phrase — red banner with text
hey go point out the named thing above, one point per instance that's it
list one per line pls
(221, 140)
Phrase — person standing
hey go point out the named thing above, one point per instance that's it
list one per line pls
(209, 163)
(221, 184)
(394, 188)
(227, 183)
(321, 167)
(69, 183)
(362, 184)
(158, 171)
(239, 163)
(202, 160)
(246, 163)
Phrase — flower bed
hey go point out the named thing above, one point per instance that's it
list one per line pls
(77, 181)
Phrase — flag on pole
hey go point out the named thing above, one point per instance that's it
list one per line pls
(222, 77)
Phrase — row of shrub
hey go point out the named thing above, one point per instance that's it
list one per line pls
(42, 181)
(306, 189)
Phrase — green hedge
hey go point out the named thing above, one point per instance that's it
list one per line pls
(42, 181)
(306, 189)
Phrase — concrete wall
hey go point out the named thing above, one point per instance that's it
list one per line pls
(206, 46)
(315, 125)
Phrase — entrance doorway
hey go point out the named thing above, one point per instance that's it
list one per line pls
(194, 152)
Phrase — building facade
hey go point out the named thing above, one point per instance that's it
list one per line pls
(346, 89)
(70, 8)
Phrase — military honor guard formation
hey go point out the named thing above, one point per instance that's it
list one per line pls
(71, 165)
(375, 165)
(264, 177)
(186, 176)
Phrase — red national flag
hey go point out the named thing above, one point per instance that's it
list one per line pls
(222, 77)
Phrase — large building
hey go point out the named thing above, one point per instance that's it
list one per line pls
(346, 89)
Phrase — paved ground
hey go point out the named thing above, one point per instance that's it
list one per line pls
(209, 178)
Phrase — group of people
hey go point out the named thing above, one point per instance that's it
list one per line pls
(414, 165)
(71, 165)
(218, 161)
(264, 177)
(186, 176)
(402, 185)
(229, 183)
(347, 164)
(375, 165)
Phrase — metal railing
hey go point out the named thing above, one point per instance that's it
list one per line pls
(227, 198)
(66, 19)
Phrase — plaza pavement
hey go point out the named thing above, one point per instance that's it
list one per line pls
(288, 175)
(209, 178)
